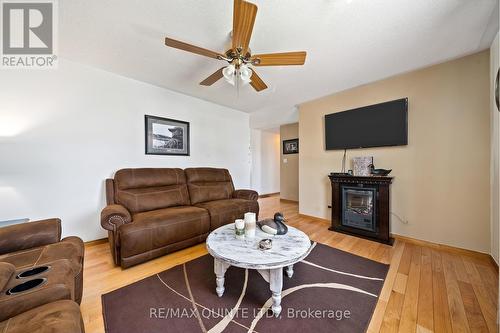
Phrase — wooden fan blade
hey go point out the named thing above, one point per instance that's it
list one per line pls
(191, 48)
(279, 59)
(257, 82)
(212, 78)
(243, 19)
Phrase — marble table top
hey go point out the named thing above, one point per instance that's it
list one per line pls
(287, 249)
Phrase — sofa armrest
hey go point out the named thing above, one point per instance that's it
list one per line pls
(246, 194)
(29, 235)
(7, 271)
(113, 216)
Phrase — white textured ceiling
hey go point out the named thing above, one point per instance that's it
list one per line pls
(349, 42)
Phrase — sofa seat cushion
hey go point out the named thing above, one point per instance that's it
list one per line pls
(159, 228)
(226, 211)
(61, 316)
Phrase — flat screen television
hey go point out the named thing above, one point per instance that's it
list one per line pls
(379, 125)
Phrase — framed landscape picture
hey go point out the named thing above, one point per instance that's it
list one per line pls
(166, 136)
(291, 146)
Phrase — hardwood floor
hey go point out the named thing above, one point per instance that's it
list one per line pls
(429, 288)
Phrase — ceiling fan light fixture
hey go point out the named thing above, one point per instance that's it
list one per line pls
(239, 56)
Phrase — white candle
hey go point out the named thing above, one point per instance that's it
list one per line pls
(250, 225)
(250, 217)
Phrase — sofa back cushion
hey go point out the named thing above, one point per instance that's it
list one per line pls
(145, 189)
(209, 184)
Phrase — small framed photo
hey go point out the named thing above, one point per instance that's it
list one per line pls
(291, 146)
(166, 136)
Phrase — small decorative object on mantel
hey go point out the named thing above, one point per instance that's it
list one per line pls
(379, 172)
(239, 228)
(291, 146)
(361, 165)
(274, 226)
(250, 225)
(166, 136)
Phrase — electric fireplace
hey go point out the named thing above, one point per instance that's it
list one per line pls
(360, 206)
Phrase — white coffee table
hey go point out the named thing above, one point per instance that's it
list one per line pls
(287, 250)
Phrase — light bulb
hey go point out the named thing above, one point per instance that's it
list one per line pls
(229, 73)
(245, 74)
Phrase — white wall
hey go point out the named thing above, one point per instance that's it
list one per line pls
(62, 132)
(265, 147)
(495, 152)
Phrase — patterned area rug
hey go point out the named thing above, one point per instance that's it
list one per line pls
(330, 291)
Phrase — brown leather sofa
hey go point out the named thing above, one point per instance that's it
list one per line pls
(40, 279)
(153, 211)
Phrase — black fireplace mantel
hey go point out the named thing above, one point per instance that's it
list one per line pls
(361, 179)
(381, 210)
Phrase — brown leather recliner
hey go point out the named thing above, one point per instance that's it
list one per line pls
(152, 212)
(55, 317)
(40, 279)
(39, 243)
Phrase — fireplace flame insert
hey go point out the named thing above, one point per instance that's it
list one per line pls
(358, 208)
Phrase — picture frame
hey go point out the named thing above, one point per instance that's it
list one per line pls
(291, 146)
(165, 136)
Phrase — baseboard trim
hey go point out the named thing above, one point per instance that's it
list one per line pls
(494, 262)
(267, 195)
(449, 248)
(444, 247)
(314, 218)
(96, 241)
(288, 200)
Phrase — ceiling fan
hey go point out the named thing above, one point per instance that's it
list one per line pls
(239, 55)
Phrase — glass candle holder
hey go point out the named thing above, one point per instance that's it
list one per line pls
(239, 228)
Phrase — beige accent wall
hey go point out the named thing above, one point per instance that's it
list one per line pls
(442, 177)
(289, 165)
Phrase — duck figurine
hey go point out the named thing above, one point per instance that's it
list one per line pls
(379, 172)
(275, 226)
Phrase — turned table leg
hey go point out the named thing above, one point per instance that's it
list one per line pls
(220, 269)
(289, 271)
(276, 284)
